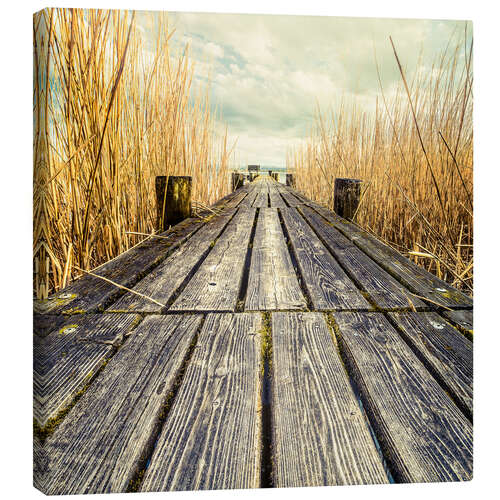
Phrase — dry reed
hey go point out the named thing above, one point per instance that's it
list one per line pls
(112, 109)
(415, 156)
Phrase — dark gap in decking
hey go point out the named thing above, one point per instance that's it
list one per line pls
(218, 311)
(195, 268)
(283, 198)
(149, 448)
(357, 283)
(240, 302)
(53, 423)
(295, 265)
(437, 377)
(266, 466)
(268, 200)
(369, 418)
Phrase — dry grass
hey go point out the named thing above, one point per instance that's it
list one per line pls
(415, 154)
(111, 113)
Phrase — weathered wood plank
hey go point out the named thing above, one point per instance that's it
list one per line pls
(249, 200)
(67, 359)
(290, 199)
(320, 435)
(424, 435)
(444, 350)
(272, 282)
(275, 198)
(211, 438)
(262, 199)
(462, 319)
(215, 286)
(414, 277)
(162, 283)
(328, 285)
(383, 289)
(100, 445)
(40, 464)
(90, 294)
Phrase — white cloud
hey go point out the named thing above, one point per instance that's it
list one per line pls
(269, 72)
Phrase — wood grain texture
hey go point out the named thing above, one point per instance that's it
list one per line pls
(211, 438)
(100, 444)
(162, 283)
(40, 464)
(414, 277)
(275, 198)
(463, 319)
(262, 198)
(328, 285)
(67, 359)
(320, 435)
(425, 437)
(91, 294)
(444, 350)
(383, 289)
(272, 282)
(215, 286)
(290, 199)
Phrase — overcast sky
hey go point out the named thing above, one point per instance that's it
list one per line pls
(268, 72)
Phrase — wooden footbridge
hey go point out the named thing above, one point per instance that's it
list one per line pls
(269, 343)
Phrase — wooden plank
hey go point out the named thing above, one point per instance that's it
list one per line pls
(462, 319)
(261, 200)
(215, 286)
(40, 464)
(211, 438)
(99, 446)
(414, 277)
(290, 199)
(328, 285)
(91, 294)
(320, 435)
(272, 282)
(444, 350)
(275, 198)
(162, 283)
(425, 437)
(67, 359)
(383, 289)
(249, 200)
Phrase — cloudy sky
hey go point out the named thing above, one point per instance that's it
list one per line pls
(268, 73)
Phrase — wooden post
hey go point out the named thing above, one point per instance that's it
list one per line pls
(173, 200)
(276, 176)
(270, 172)
(290, 180)
(237, 180)
(346, 196)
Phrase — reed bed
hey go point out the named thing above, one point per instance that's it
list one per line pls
(415, 156)
(113, 108)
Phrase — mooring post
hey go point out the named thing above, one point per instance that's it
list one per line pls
(346, 195)
(173, 199)
(237, 180)
(290, 180)
(276, 176)
(270, 172)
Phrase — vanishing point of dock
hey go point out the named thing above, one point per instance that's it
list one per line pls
(267, 343)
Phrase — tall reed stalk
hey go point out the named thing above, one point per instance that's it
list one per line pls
(415, 156)
(113, 108)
